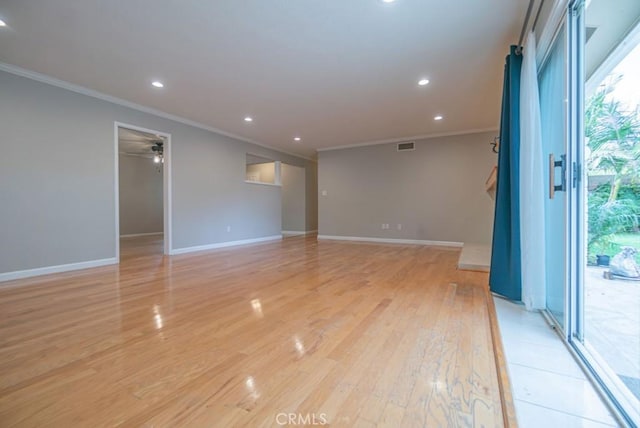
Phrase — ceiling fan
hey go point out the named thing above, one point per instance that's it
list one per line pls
(142, 144)
(158, 150)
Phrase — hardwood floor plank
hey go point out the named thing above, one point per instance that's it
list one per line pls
(391, 416)
(360, 334)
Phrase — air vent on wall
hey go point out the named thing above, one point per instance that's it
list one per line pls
(402, 147)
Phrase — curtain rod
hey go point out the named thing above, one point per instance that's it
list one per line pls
(526, 22)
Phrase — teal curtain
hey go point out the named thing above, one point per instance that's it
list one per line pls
(505, 276)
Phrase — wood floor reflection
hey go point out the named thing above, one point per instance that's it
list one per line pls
(273, 334)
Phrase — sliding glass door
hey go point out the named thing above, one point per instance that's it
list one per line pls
(552, 79)
(606, 247)
(589, 82)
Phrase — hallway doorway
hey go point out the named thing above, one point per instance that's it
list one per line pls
(142, 196)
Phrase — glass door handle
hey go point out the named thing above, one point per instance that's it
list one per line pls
(553, 164)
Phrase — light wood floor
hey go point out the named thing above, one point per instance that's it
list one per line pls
(352, 334)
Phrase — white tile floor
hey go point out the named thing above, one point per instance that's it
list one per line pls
(548, 386)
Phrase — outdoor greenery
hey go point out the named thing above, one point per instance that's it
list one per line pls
(618, 241)
(613, 141)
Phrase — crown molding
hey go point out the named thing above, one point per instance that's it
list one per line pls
(43, 78)
(414, 138)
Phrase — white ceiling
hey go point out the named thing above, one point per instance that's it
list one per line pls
(334, 72)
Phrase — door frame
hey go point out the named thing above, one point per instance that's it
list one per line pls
(166, 186)
(575, 154)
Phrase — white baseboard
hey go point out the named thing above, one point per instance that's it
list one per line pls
(19, 274)
(393, 241)
(298, 232)
(224, 244)
(135, 235)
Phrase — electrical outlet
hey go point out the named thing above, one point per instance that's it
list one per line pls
(399, 226)
(385, 226)
(228, 228)
(324, 193)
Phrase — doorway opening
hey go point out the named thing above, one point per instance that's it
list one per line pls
(294, 215)
(142, 191)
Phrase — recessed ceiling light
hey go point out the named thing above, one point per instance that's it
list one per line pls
(423, 82)
(157, 84)
(438, 117)
(297, 139)
(388, 1)
(2, 23)
(248, 119)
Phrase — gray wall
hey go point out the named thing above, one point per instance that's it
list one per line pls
(140, 183)
(435, 192)
(293, 198)
(57, 179)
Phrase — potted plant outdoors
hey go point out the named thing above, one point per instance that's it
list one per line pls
(603, 260)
